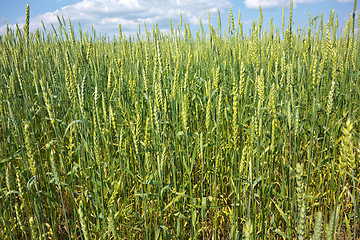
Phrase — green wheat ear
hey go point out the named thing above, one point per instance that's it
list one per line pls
(82, 220)
(331, 227)
(300, 189)
(318, 226)
(2, 112)
(33, 228)
(27, 22)
(248, 231)
(347, 154)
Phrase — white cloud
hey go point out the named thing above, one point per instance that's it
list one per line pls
(254, 4)
(344, 1)
(106, 15)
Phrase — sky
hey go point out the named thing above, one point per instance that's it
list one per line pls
(106, 15)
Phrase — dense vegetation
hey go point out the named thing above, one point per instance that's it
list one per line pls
(163, 136)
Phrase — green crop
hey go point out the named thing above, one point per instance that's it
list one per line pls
(219, 135)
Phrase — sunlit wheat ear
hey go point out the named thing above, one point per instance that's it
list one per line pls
(290, 84)
(248, 230)
(261, 17)
(155, 117)
(348, 55)
(296, 122)
(254, 48)
(137, 127)
(11, 90)
(330, 50)
(146, 144)
(2, 110)
(358, 25)
(132, 85)
(289, 115)
(111, 225)
(208, 116)
(313, 70)
(166, 104)
(158, 95)
(216, 78)
(74, 84)
(354, 53)
(19, 217)
(232, 20)
(33, 228)
(27, 23)
(68, 82)
(19, 185)
(82, 220)
(111, 204)
(347, 153)
(109, 80)
(104, 108)
(271, 103)
(176, 83)
(219, 109)
(53, 165)
(331, 227)
(114, 194)
(184, 112)
(291, 13)
(45, 91)
(318, 226)
(330, 102)
(242, 83)
(283, 69)
(235, 108)
(112, 119)
(8, 177)
(300, 190)
(29, 149)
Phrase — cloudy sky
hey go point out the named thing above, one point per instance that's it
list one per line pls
(106, 15)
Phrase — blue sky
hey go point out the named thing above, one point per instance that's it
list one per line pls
(106, 15)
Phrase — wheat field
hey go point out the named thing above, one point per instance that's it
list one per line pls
(213, 134)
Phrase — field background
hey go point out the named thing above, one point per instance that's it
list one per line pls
(219, 134)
